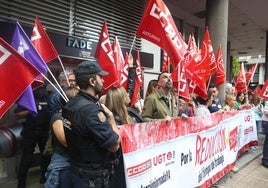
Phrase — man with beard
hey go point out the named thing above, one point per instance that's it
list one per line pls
(161, 105)
(91, 132)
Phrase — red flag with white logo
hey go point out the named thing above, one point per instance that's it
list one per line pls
(249, 75)
(220, 73)
(158, 27)
(105, 55)
(165, 62)
(12, 87)
(124, 72)
(209, 57)
(119, 60)
(138, 80)
(240, 83)
(180, 81)
(207, 65)
(263, 93)
(42, 42)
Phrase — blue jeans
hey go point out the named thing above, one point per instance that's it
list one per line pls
(265, 145)
(81, 182)
(59, 172)
(259, 127)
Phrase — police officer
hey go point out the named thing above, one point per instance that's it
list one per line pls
(91, 132)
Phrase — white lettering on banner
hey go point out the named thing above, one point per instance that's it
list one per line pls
(4, 54)
(265, 93)
(140, 168)
(207, 147)
(2, 103)
(36, 35)
(103, 45)
(163, 18)
(151, 35)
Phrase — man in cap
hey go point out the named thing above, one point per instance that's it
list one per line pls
(91, 133)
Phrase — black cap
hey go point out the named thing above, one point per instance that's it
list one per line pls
(89, 67)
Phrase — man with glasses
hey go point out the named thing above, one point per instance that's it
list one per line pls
(54, 98)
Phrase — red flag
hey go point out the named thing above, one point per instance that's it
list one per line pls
(124, 72)
(264, 90)
(220, 74)
(180, 81)
(240, 84)
(119, 61)
(210, 58)
(207, 65)
(257, 90)
(165, 63)
(249, 75)
(158, 27)
(104, 53)
(11, 63)
(138, 80)
(191, 58)
(42, 42)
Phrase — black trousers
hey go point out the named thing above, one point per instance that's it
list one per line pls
(31, 137)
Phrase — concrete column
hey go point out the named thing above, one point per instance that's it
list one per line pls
(217, 22)
(266, 59)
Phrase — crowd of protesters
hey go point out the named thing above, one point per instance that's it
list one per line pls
(85, 130)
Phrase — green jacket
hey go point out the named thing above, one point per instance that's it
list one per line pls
(155, 107)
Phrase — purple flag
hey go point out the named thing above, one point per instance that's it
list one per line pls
(24, 46)
(27, 101)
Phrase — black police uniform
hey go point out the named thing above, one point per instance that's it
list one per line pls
(35, 131)
(88, 137)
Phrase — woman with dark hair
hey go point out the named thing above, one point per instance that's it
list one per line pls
(59, 172)
(240, 100)
(202, 108)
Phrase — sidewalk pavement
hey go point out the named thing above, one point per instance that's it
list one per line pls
(248, 173)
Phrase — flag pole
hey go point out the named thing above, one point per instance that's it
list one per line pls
(62, 94)
(64, 70)
(179, 78)
(132, 44)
